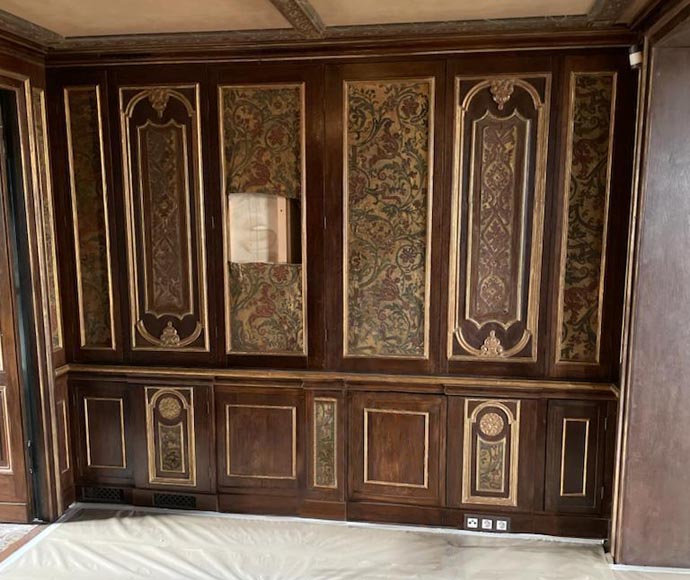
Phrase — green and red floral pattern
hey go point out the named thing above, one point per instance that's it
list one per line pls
(262, 140)
(266, 308)
(388, 130)
(587, 204)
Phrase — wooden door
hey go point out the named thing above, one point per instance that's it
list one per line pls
(14, 493)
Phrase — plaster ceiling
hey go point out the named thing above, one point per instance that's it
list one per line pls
(113, 17)
(358, 12)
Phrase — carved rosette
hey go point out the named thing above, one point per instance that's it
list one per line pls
(170, 436)
(490, 454)
(165, 233)
(500, 156)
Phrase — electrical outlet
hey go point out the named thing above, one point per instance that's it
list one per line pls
(487, 524)
(471, 523)
(502, 524)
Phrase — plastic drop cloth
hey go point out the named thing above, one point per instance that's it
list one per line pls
(114, 544)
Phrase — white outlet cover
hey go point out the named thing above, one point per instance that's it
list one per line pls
(472, 523)
(487, 525)
(502, 525)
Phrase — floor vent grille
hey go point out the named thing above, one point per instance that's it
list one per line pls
(103, 494)
(174, 500)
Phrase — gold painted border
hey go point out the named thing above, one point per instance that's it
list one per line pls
(68, 462)
(88, 433)
(188, 442)
(543, 108)
(334, 402)
(424, 414)
(47, 198)
(75, 216)
(429, 222)
(303, 203)
(3, 395)
(566, 209)
(132, 254)
(467, 456)
(567, 420)
(293, 411)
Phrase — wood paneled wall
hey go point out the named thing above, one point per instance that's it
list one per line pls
(462, 216)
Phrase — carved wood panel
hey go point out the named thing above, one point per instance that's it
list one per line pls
(498, 217)
(574, 456)
(165, 224)
(395, 447)
(171, 436)
(388, 168)
(90, 216)
(585, 216)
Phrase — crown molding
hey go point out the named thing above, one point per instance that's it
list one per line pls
(302, 16)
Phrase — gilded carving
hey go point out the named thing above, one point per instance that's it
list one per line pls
(170, 436)
(388, 168)
(490, 452)
(48, 217)
(583, 258)
(501, 91)
(491, 424)
(165, 225)
(262, 139)
(492, 347)
(165, 194)
(325, 452)
(266, 308)
(90, 211)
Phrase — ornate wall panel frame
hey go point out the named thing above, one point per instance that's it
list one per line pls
(301, 268)
(585, 217)
(90, 216)
(583, 491)
(164, 199)
(406, 107)
(45, 193)
(491, 443)
(325, 443)
(504, 121)
(87, 432)
(171, 436)
(6, 444)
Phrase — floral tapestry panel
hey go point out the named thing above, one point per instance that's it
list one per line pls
(266, 308)
(587, 200)
(388, 165)
(48, 216)
(88, 198)
(262, 140)
(491, 459)
(324, 443)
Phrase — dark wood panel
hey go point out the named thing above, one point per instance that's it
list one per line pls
(575, 456)
(105, 432)
(397, 447)
(260, 438)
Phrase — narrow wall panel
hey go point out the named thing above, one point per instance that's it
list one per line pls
(90, 216)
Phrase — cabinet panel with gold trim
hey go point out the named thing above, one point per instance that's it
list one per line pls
(492, 456)
(397, 448)
(166, 243)
(177, 422)
(496, 243)
(575, 456)
(105, 431)
(260, 434)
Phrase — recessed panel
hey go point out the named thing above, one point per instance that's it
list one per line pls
(104, 424)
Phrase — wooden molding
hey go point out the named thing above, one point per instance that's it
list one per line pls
(302, 16)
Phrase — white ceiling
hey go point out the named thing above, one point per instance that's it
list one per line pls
(71, 18)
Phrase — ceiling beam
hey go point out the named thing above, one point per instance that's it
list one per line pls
(302, 16)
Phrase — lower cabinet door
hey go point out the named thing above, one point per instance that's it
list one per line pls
(397, 448)
(104, 433)
(260, 437)
(492, 453)
(575, 456)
